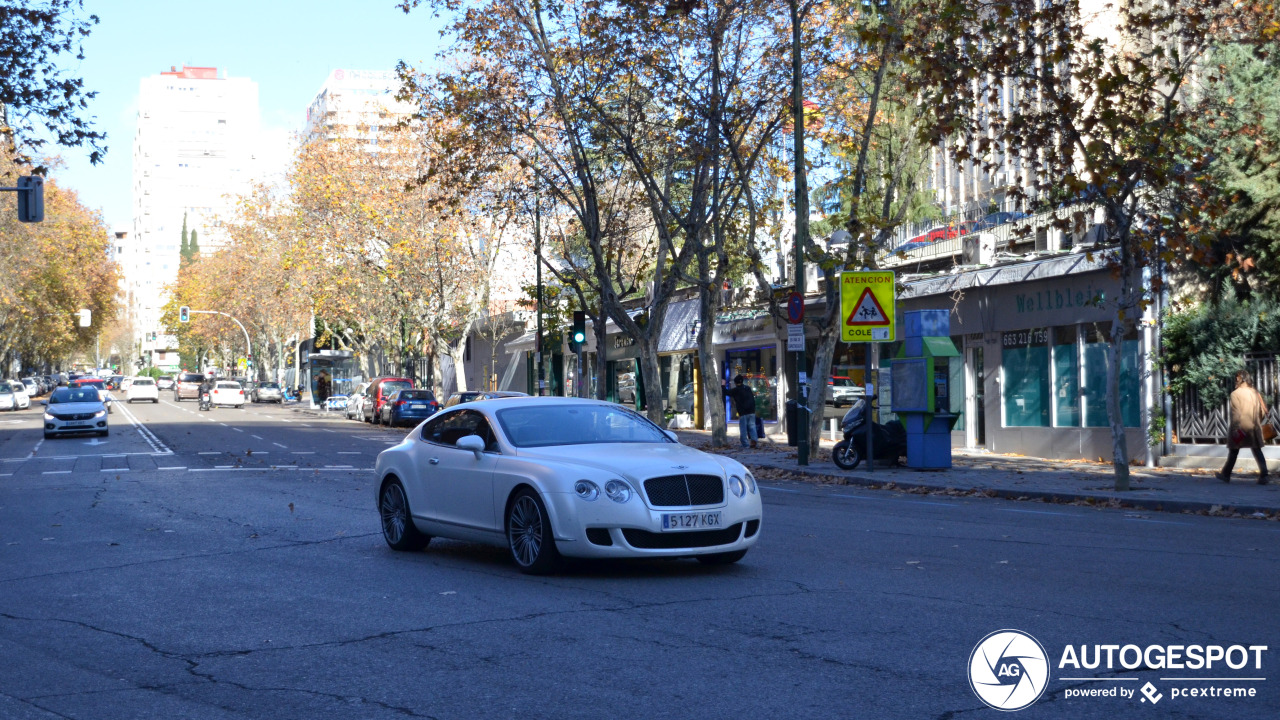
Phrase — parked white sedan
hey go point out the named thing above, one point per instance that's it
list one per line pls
(143, 388)
(13, 395)
(227, 392)
(547, 477)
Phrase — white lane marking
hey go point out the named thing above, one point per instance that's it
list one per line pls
(151, 438)
(350, 452)
(37, 447)
(237, 429)
(261, 452)
(224, 424)
(210, 452)
(223, 467)
(1162, 522)
(115, 455)
(255, 437)
(284, 467)
(173, 467)
(56, 472)
(114, 470)
(338, 467)
(286, 447)
(302, 424)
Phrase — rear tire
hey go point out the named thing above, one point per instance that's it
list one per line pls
(724, 558)
(844, 456)
(529, 536)
(397, 520)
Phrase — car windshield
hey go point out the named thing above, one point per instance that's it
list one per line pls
(228, 385)
(842, 382)
(268, 386)
(75, 395)
(544, 425)
(191, 378)
(143, 381)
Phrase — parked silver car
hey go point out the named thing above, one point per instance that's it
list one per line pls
(266, 392)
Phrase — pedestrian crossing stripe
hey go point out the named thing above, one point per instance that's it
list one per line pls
(867, 311)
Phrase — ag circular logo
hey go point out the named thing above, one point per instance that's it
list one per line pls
(1008, 670)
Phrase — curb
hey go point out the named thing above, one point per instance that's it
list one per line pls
(1097, 500)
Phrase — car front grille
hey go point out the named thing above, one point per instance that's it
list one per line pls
(646, 540)
(684, 490)
(76, 416)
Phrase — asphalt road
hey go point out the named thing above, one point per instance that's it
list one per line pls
(228, 565)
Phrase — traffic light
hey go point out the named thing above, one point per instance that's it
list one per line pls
(579, 335)
(184, 314)
(31, 198)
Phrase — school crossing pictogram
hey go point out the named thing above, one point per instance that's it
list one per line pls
(867, 311)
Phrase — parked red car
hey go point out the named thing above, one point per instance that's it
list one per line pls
(377, 394)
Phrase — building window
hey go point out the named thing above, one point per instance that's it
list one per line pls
(1024, 365)
(1095, 377)
(1066, 377)
(759, 366)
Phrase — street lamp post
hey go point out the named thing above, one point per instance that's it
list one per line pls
(537, 252)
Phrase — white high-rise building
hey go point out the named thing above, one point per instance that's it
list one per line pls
(194, 150)
(356, 103)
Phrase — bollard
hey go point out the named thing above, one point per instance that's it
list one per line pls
(834, 426)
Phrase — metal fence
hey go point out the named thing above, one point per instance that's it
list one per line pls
(1195, 421)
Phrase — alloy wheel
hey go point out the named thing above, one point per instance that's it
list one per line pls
(525, 528)
(395, 515)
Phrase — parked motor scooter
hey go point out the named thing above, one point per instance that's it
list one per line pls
(889, 441)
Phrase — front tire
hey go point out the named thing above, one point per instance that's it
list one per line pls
(397, 521)
(724, 558)
(529, 536)
(845, 456)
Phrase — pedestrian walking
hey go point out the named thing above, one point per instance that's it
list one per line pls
(744, 401)
(1248, 413)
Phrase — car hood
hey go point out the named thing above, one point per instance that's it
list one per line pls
(75, 408)
(633, 461)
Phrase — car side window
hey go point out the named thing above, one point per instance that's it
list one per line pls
(447, 429)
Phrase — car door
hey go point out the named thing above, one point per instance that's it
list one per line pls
(458, 487)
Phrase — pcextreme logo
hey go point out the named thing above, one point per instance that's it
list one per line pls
(1008, 670)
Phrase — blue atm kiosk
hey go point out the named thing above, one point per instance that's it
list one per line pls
(922, 387)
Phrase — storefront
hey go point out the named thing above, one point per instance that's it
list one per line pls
(748, 340)
(678, 359)
(1034, 338)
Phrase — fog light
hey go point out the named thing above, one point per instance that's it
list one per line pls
(617, 491)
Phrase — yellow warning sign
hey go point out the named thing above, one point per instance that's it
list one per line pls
(867, 306)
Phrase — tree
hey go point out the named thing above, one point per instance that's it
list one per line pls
(193, 250)
(184, 250)
(1238, 126)
(1098, 109)
(36, 97)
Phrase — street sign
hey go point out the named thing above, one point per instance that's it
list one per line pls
(867, 306)
(795, 337)
(795, 308)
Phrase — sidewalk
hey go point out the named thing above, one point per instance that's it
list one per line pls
(1012, 477)
(1020, 478)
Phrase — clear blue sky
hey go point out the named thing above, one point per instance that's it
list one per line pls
(287, 46)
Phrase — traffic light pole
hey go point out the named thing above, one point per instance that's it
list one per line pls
(248, 345)
(802, 230)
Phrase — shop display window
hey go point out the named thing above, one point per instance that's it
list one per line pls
(760, 368)
(1025, 373)
(1066, 377)
(1095, 377)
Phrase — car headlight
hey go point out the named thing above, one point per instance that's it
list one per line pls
(618, 491)
(100, 413)
(49, 417)
(751, 482)
(737, 487)
(587, 490)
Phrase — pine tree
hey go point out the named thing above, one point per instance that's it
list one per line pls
(194, 248)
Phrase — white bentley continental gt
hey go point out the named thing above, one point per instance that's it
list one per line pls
(551, 477)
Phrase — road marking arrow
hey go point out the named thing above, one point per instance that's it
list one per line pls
(96, 441)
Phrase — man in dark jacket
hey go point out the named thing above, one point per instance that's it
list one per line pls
(744, 401)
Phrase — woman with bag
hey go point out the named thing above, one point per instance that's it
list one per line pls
(1248, 414)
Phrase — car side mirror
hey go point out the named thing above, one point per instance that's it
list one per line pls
(474, 443)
